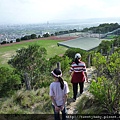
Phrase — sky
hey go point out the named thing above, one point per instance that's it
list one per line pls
(42, 11)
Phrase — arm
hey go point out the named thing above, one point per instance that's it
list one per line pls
(51, 93)
(65, 100)
(56, 107)
(71, 73)
(86, 76)
(65, 95)
(71, 70)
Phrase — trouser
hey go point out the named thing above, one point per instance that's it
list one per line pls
(75, 88)
(57, 114)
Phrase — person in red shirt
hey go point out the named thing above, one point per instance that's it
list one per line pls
(79, 75)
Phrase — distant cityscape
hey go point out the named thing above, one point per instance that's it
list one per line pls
(12, 32)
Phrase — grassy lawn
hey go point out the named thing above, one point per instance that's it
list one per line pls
(50, 45)
(41, 102)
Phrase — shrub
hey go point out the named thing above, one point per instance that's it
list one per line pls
(106, 86)
(8, 81)
(4, 42)
(18, 40)
(72, 51)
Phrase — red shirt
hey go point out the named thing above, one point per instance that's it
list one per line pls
(78, 72)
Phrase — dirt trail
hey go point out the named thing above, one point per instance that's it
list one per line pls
(71, 107)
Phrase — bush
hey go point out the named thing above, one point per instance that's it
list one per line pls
(64, 62)
(11, 41)
(72, 51)
(9, 81)
(18, 40)
(4, 42)
(106, 86)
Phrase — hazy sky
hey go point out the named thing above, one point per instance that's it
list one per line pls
(41, 11)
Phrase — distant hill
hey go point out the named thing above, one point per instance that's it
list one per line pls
(89, 22)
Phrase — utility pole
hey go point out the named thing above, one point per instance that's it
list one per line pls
(58, 65)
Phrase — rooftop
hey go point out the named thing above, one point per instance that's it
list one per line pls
(85, 43)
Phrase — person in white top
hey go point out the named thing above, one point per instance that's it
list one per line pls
(58, 93)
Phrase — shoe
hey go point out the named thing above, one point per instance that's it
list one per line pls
(81, 93)
(74, 99)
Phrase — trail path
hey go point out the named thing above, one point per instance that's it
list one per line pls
(71, 107)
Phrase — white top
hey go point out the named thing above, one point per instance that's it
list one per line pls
(58, 93)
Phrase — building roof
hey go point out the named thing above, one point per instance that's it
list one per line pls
(82, 43)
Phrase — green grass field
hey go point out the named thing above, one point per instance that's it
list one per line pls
(50, 45)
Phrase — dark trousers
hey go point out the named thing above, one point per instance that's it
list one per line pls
(75, 89)
(57, 114)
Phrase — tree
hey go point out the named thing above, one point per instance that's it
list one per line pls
(52, 34)
(39, 36)
(32, 61)
(18, 40)
(26, 37)
(105, 46)
(102, 28)
(4, 42)
(33, 36)
(116, 41)
(46, 35)
(11, 41)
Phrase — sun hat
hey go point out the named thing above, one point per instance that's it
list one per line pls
(77, 55)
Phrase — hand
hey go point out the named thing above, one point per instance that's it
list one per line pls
(86, 79)
(57, 109)
(62, 107)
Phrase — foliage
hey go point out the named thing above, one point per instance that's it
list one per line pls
(33, 36)
(9, 81)
(32, 61)
(99, 62)
(106, 86)
(105, 46)
(65, 32)
(26, 37)
(18, 40)
(88, 105)
(3, 42)
(116, 41)
(46, 35)
(54, 60)
(102, 28)
(72, 51)
(64, 62)
(27, 102)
